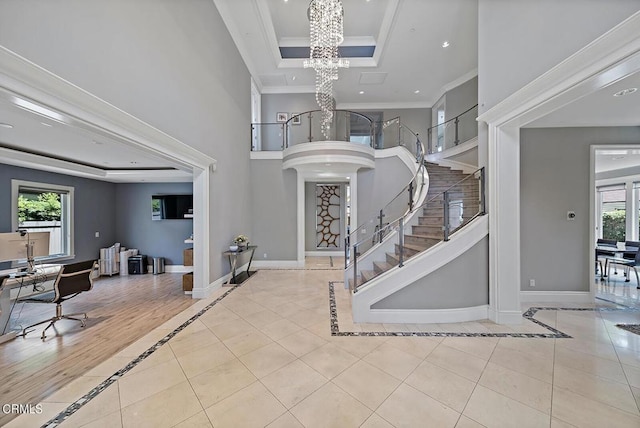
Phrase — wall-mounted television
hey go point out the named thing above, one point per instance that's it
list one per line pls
(171, 207)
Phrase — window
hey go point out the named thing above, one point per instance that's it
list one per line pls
(613, 212)
(41, 207)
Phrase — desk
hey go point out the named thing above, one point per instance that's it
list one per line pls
(233, 260)
(41, 275)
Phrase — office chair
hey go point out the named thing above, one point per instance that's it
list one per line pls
(72, 280)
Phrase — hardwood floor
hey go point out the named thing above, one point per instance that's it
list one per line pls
(121, 310)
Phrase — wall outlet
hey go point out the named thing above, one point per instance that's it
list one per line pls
(265, 255)
(532, 283)
(97, 234)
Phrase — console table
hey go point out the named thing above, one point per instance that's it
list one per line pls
(233, 260)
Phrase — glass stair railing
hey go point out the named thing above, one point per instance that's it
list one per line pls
(453, 132)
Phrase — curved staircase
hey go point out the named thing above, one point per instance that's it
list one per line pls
(461, 192)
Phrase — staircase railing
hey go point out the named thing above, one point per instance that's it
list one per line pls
(454, 131)
(306, 127)
(398, 207)
(458, 205)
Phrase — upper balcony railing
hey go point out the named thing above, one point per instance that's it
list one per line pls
(453, 132)
(347, 126)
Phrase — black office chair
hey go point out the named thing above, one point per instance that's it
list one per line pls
(72, 280)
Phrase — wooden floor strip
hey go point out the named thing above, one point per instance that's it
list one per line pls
(121, 310)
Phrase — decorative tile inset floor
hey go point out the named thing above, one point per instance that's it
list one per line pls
(633, 328)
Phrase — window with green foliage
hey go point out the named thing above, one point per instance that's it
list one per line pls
(613, 212)
(41, 207)
(614, 225)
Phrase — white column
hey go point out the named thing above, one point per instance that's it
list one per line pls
(201, 218)
(504, 225)
(300, 203)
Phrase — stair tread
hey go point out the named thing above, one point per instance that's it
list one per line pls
(367, 275)
(414, 247)
(421, 235)
(382, 266)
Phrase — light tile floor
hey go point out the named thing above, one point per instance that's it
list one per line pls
(265, 356)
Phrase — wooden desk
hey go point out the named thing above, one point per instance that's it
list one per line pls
(40, 276)
(233, 260)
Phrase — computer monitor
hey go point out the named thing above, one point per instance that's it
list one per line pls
(23, 245)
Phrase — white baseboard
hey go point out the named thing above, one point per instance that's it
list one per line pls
(324, 253)
(556, 296)
(176, 269)
(277, 264)
(426, 316)
(505, 317)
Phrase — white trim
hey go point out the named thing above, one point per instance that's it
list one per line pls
(454, 151)
(556, 296)
(428, 316)
(235, 33)
(44, 163)
(454, 84)
(285, 42)
(415, 268)
(611, 57)
(385, 29)
(505, 317)
(20, 77)
(402, 153)
(334, 253)
(289, 90)
(464, 167)
(201, 227)
(178, 269)
(278, 264)
(383, 105)
(274, 155)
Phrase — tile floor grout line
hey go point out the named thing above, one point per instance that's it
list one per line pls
(93, 393)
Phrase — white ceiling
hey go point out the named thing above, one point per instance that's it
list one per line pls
(599, 108)
(408, 36)
(619, 158)
(409, 57)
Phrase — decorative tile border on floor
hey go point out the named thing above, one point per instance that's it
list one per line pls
(78, 404)
(529, 314)
(633, 328)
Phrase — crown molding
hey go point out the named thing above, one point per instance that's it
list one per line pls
(58, 166)
(454, 84)
(383, 105)
(22, 78)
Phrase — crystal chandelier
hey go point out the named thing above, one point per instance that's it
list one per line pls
(325, 24)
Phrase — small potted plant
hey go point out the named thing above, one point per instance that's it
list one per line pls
(241, 241)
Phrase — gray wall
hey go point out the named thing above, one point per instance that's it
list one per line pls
(274, 226)
(135, 229)
(520, 40)
(94, 208)
(171, 64)
(376, 187)
(461, 98)
(461, 283)
(554, 178)
(287, 103)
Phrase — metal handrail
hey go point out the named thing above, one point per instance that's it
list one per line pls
(455, 120)
(380, 230)
(400, 222)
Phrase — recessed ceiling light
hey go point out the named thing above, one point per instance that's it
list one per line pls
(6, 125)
(417, 91)
(625, 92)
(361, 92)
(133, 162)
(445, 44)
(96, 142)
(46, 124)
